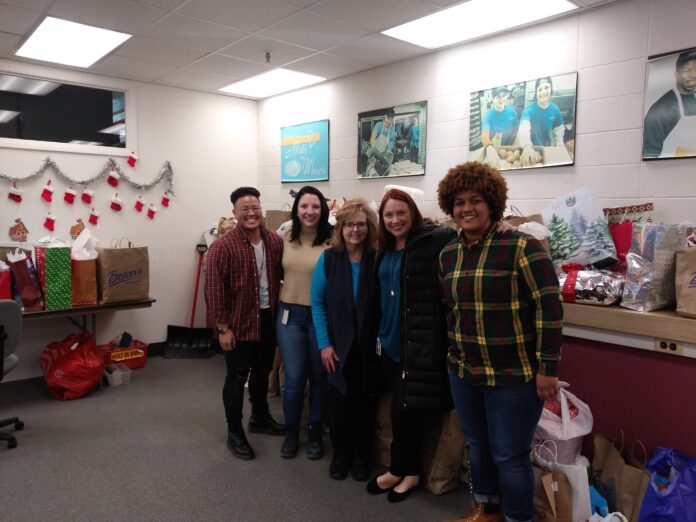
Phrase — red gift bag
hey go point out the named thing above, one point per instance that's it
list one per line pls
(621, 234)
(5, 284)
(72, 367)
(26, 284)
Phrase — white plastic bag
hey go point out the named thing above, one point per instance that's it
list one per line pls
(567, 433)
(544, 455)
(611, 517)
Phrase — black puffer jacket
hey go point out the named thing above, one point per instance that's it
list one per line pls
(423, 382)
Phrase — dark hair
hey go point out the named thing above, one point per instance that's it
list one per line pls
(348, 210)
(478, 177)
(685, 57)
(324, 228)
(545, 79)
(243, 191)
(386, 238)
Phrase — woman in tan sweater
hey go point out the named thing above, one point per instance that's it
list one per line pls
(303, 244)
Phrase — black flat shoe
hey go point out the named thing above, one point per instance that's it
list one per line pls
(239, 446)
(395, 496)
(374, 489)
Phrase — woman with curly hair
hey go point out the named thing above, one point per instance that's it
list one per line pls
(504, 324)
(343, 308)
(302, 244)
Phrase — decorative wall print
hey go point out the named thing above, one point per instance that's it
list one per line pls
(524, 124)
(669, 129)
(304, 151)
(391, 141)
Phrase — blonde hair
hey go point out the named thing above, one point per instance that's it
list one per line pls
(347, 211)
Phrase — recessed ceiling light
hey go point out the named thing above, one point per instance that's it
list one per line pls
(7, 116)
(70, 43)
(474, 19)
(272, 82)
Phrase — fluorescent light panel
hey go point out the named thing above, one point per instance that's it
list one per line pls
(272, 82)
(7, 116)
(70, 43)
(10, 83)
(474, 19)
(114, 129)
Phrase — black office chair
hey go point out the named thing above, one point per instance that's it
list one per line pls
(10, 332)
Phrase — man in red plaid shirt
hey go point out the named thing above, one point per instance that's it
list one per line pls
(242, 286)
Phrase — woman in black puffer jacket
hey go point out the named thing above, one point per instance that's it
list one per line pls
(412, 334)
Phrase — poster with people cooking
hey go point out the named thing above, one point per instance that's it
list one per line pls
(669, 127)
(391, 141)
(524, 124)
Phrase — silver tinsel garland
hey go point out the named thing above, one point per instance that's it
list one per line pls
(48, 164)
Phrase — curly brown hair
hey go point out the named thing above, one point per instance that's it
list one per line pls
(476, 176)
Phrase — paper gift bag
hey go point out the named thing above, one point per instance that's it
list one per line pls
(26, 284)
(275, 218)
(382, 447)
(443, 449)
(553, 497)
(84, 282)
(685, 282)
(54, 268)
(123, 274)
(579, 231)
(622, 485)
(5, 284)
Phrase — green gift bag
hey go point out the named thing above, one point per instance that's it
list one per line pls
(55, 276)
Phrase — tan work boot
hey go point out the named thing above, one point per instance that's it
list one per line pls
(478, 515)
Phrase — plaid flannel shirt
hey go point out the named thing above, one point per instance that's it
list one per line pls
(232, 281)
(505, 314)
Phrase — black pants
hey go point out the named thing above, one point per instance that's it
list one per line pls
(352, 416)
(408, 428)
(252, 360)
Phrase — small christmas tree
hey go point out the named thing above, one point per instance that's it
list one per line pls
(562, 242)
(597, 240)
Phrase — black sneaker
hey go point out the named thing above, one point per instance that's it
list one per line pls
(265, 424)
(338, 470)
(239, 446)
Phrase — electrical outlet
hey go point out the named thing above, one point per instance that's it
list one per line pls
(667, 346)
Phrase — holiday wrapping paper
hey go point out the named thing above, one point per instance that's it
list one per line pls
(54, 268)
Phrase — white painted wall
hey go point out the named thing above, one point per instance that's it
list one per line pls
(608, 46)
(211, 142)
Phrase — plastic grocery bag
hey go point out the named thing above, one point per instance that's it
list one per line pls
(671, 495)
(564, 420)
(72, 367)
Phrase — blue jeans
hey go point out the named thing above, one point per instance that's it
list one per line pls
(498, 423)
(302, 360)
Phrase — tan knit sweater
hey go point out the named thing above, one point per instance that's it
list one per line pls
(299, 259)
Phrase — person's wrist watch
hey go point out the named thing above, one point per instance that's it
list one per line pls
(222, 330)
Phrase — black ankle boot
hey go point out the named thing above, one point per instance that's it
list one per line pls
(264, 423)
(291, 444)
(315, 444)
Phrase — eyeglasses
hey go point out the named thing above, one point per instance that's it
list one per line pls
(349, 225)
(246, 210)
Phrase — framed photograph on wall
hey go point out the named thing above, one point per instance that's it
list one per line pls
(304, 152)
(391, 141)
(525, 124)
(669, 125)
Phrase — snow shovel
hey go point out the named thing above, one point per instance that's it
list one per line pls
(190, 343)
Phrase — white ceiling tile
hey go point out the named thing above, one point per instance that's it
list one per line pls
(151, 49)
(35, 5)
(125, 67)
(193, 79)
(377, 49)
(123, 15)
(328, 66)
(194, 33)
(313, 31)
(16, 20)
(231, 67)
(249, 15)
(375, 15)
(255, 47)
(164, 4)
(9, 43)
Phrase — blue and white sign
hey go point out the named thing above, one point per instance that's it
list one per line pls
(304, 151)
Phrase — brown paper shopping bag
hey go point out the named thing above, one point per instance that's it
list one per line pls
(443, 452)
(685, 282)
(123, 274)
(383, 431)
(553, 496)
